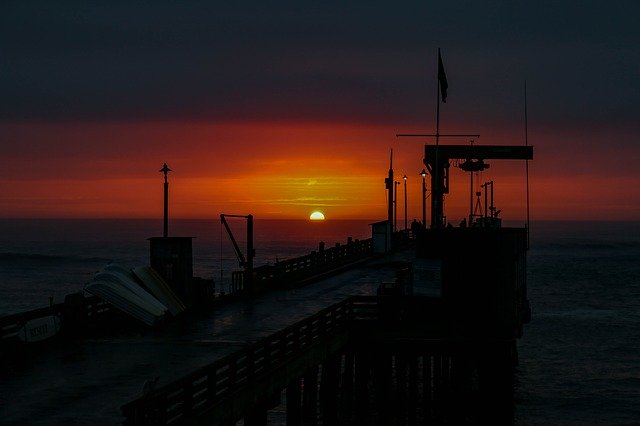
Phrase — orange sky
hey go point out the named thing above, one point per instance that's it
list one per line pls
(273, 170)
(279, 109)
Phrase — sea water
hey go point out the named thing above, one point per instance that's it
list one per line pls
(50, 258)
(579, 355)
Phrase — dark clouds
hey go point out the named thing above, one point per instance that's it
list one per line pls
(316, 61)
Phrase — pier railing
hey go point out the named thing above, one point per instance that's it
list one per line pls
(314, 263)
(211, 385)
(294, 271)
(76, 311)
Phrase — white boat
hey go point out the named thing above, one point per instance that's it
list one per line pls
(118, 286)
(128, 279)
(157, 286)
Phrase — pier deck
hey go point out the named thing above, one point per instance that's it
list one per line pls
(88, 380)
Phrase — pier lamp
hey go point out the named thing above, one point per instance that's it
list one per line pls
(395, 205)
(405, 200)
(423, 173)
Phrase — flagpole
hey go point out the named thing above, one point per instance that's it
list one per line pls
(436, 197)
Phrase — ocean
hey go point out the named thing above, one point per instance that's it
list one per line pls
(579, 355)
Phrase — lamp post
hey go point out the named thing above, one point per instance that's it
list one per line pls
(423, 173)
(165, 169)
(395, 205)
(405, 200)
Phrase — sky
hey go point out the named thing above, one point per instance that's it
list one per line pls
(278, 109)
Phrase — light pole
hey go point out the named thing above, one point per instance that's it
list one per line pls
(405, 201)
(423, 173)
(395, 205)
(165, 169)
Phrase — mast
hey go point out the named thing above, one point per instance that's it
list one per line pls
(436, 166)
(389, 184)
(438, 197)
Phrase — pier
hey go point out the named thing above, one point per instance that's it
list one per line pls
(405, 328)
(365, 360)
(88, 377)
(352, 341)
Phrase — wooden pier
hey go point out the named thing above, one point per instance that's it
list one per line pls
(365, 360)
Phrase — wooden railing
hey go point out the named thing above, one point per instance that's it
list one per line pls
(317, 262)
(180, 400)
(77, 310)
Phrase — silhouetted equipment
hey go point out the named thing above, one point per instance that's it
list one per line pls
(165, 169)
(437, 159)
(246, 263)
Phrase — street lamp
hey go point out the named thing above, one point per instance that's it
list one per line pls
(405, 201)
(395, 205)
(423, 173)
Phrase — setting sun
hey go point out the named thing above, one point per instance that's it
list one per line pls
(316, 216)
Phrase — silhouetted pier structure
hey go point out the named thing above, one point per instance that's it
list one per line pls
(313, 352)
(366, 360)
(413, 330)
(390, 358)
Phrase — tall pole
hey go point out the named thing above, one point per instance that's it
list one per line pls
(405, 201)
(438, 184)
(250, 255)
(395, 206)
(389, 184)
(424, 199)
(165, 169)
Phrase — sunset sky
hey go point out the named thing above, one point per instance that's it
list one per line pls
(278, 109)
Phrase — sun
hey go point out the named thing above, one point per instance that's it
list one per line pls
(316, 216)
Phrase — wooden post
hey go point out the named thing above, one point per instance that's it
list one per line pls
(329, 390)
(294, 403)
(362, 370)
(382, 375)
(310, 397)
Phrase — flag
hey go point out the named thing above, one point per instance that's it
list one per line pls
(442, 78)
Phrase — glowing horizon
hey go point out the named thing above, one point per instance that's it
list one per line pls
(340, 168)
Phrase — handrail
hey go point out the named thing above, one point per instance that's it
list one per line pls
(314, 263)
(202, 388)
(92, 307)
